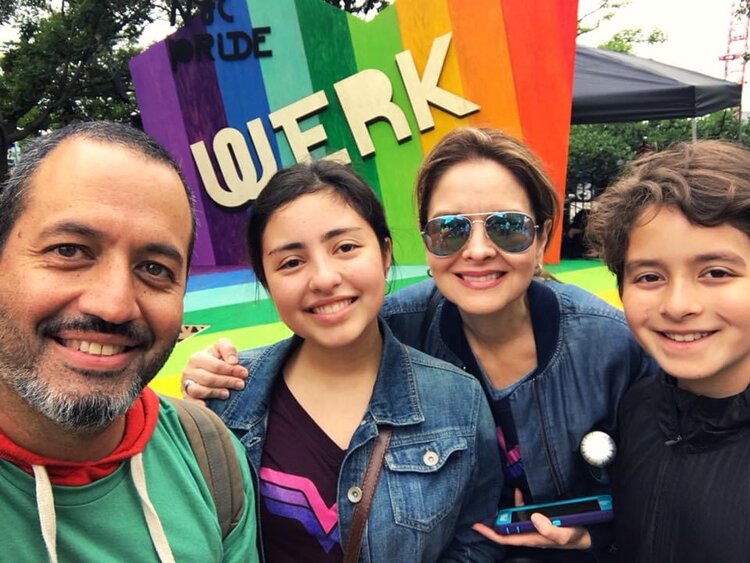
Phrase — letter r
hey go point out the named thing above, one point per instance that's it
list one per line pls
(365, 97)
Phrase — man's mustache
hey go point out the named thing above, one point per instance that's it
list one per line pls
(138, 335)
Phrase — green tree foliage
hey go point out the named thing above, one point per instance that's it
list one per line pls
(361, 8)
(602, 11)
(598, 152)
(741, 13)
(10, 7)
(66, 64)
(625, 40)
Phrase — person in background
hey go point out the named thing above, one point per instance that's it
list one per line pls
(675, 230)
(553, 360)
(319, 403)
(574, 243)
(96, 232)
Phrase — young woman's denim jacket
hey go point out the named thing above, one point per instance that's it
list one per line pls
(423, 507)
(588, 360)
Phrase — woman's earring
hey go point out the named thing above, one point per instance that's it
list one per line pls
(429, 273)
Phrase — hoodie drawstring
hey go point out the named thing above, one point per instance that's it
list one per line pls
(45, 506)
(45, 503)
(158, 537)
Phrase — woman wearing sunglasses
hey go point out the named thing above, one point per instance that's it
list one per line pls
(553, 359)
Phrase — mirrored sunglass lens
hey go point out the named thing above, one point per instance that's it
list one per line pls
(513, 232)
(446, 235)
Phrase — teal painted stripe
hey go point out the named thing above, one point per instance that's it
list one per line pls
(220, 296)
(286, 76)
(407, 271)
(375, 45)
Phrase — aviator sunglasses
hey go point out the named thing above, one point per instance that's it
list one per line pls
(510, 231)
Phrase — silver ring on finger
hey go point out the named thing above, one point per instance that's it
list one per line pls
(186, 385)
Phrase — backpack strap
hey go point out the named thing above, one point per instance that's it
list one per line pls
(216, 457)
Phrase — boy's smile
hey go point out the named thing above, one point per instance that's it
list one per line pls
(685, 295)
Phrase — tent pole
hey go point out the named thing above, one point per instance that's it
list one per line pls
(695, 128)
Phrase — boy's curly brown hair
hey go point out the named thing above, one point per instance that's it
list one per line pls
(708, 181)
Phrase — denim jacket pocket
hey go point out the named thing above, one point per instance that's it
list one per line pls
(424, 479)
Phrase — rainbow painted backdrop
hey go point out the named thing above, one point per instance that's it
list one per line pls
(513, 58)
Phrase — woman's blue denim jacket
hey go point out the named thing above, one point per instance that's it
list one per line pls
(588, 361)
(420, 511)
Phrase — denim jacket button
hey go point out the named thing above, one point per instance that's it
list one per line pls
(430, 458)
(354, 494)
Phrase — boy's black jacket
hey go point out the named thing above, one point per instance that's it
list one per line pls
(681, 479)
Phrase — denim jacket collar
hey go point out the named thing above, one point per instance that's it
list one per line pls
(394, 401)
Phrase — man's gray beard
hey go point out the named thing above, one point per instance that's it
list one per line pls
(81, 414)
